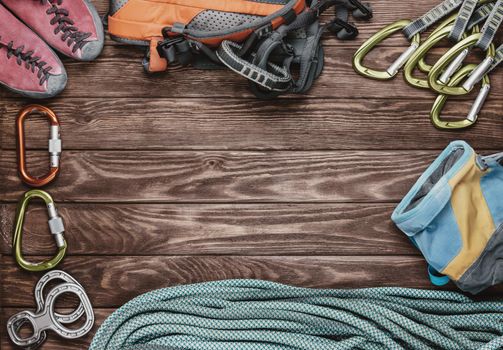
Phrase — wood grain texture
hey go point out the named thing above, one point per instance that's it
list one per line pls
(344, 176)
(241, 229)
(121, 63)
(110, 281)
(184, 177)
(306, 124)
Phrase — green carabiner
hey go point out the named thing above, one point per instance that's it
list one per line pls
(421, 64)
(447, 58)
(55, 224)
(441, 99)
(415, 60)
(421, 52)
(376, 39)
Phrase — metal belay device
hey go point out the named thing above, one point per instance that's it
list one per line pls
(448, 76)
(46, 318)
(275, 45)
(262, 315)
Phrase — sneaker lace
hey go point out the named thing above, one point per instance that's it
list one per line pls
(31, 62)
(65, 25)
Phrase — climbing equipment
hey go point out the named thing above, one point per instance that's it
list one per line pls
(451, 61)
(71, 27)
(411, 30)
(483, 69)
(454, 215)
(28, 66)
(54, 146)
(445, 29)
(461, 27)
(260, 40)
(255, 314)
(46, 318)
(472, 116)
(421, 51)
(56, 227)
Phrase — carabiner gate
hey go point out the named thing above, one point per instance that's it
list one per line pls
(376, 39)
(447, 58)
(54, 146)
(55, 225)
(472, 116)
(417, 59)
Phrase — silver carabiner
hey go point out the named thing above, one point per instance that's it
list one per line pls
(46, 318)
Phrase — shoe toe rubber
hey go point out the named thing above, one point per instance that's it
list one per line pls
(91, 50)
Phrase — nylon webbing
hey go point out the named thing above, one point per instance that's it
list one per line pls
(430, 17)
(480, 15)
(277, 79)
(498, 58)
(262, 315)
(491, 26)
(461, 23)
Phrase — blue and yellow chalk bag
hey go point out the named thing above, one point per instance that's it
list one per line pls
(454, 215)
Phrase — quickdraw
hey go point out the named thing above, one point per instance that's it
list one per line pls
(445, 29)
(456, 27)
(450, 62)
(46, 318)
(54, 146)
(472, 116)
(411, 30)
(56, 227)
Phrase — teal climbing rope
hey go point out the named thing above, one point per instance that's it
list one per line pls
(260, 315)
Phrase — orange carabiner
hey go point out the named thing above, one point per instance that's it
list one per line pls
(54, 146)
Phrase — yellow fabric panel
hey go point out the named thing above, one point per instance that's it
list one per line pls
(473, 216)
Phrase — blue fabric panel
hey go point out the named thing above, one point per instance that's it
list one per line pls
(440, 242)
(416, 219)
(492, 188)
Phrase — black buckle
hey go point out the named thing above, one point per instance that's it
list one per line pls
(365, 11)
(166, 48)
(343, 29)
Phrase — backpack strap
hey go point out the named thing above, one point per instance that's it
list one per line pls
(307, 53)
(272, 77)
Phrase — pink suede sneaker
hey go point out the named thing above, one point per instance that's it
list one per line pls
(27, 65)
(72, 27)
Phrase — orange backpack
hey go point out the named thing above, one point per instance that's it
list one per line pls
(232, 33)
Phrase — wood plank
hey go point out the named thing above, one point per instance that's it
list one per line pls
(308, 124)
(111, 281)
(106, 229)
(121, 63)
(154, 176)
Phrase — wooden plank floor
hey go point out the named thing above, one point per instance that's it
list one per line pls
(185, 177)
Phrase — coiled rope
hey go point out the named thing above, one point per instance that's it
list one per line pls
(254, 314)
